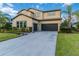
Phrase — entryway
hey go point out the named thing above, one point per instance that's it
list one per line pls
(35, 27)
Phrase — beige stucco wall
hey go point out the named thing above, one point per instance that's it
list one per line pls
(47, 22)
(56, 15)
(34, 21)
(26, 13)
(22, 18)
(39, 13)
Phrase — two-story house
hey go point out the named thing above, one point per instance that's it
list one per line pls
(38, 20)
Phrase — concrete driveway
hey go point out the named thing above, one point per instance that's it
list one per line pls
(33, 44)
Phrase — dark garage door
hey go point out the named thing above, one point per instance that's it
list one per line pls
(49, 27)
(35, 27)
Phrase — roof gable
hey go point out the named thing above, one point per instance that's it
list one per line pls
(25, 16)
(44, 11)
(23, 10)
(37, 10)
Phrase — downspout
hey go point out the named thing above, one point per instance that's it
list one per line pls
(32, 26)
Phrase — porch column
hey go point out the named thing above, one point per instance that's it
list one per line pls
(32, 26)
(39, 27)
(58, 27)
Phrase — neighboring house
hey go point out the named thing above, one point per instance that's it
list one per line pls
(38, 20)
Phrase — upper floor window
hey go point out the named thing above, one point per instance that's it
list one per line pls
(32, 15)
(51, 13)
(37, 14)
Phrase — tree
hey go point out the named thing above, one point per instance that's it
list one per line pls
(3, 19)
(77, 14)
(64, 24)
(69, 13)
(8, 26)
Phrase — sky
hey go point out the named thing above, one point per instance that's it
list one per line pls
(13, 8)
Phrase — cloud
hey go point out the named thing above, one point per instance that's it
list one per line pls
(1, 5)
(9, 4)
(66, 4)
(8, 9)
(37, 6)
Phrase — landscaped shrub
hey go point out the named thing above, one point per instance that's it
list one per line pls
(30, 29)
(74, 29)
(23, 29)
(1, 29)
(66, 30)
(77, 26)
(14, 28)
(64, 27)
(8, 26)
(18, 31)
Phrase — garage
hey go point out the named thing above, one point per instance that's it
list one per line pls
(49, 27)
(35, 27)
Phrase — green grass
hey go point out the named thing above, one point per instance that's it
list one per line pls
(67, 44)
(6, 36)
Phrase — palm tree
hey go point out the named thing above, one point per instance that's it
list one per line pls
(3, 20)
(69, 13)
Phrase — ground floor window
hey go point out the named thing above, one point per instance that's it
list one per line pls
(21, 24)
(17, 24)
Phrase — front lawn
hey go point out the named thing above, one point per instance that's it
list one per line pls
(67, 44)
(6, 36)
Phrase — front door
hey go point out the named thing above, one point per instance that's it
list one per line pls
(34, 27)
